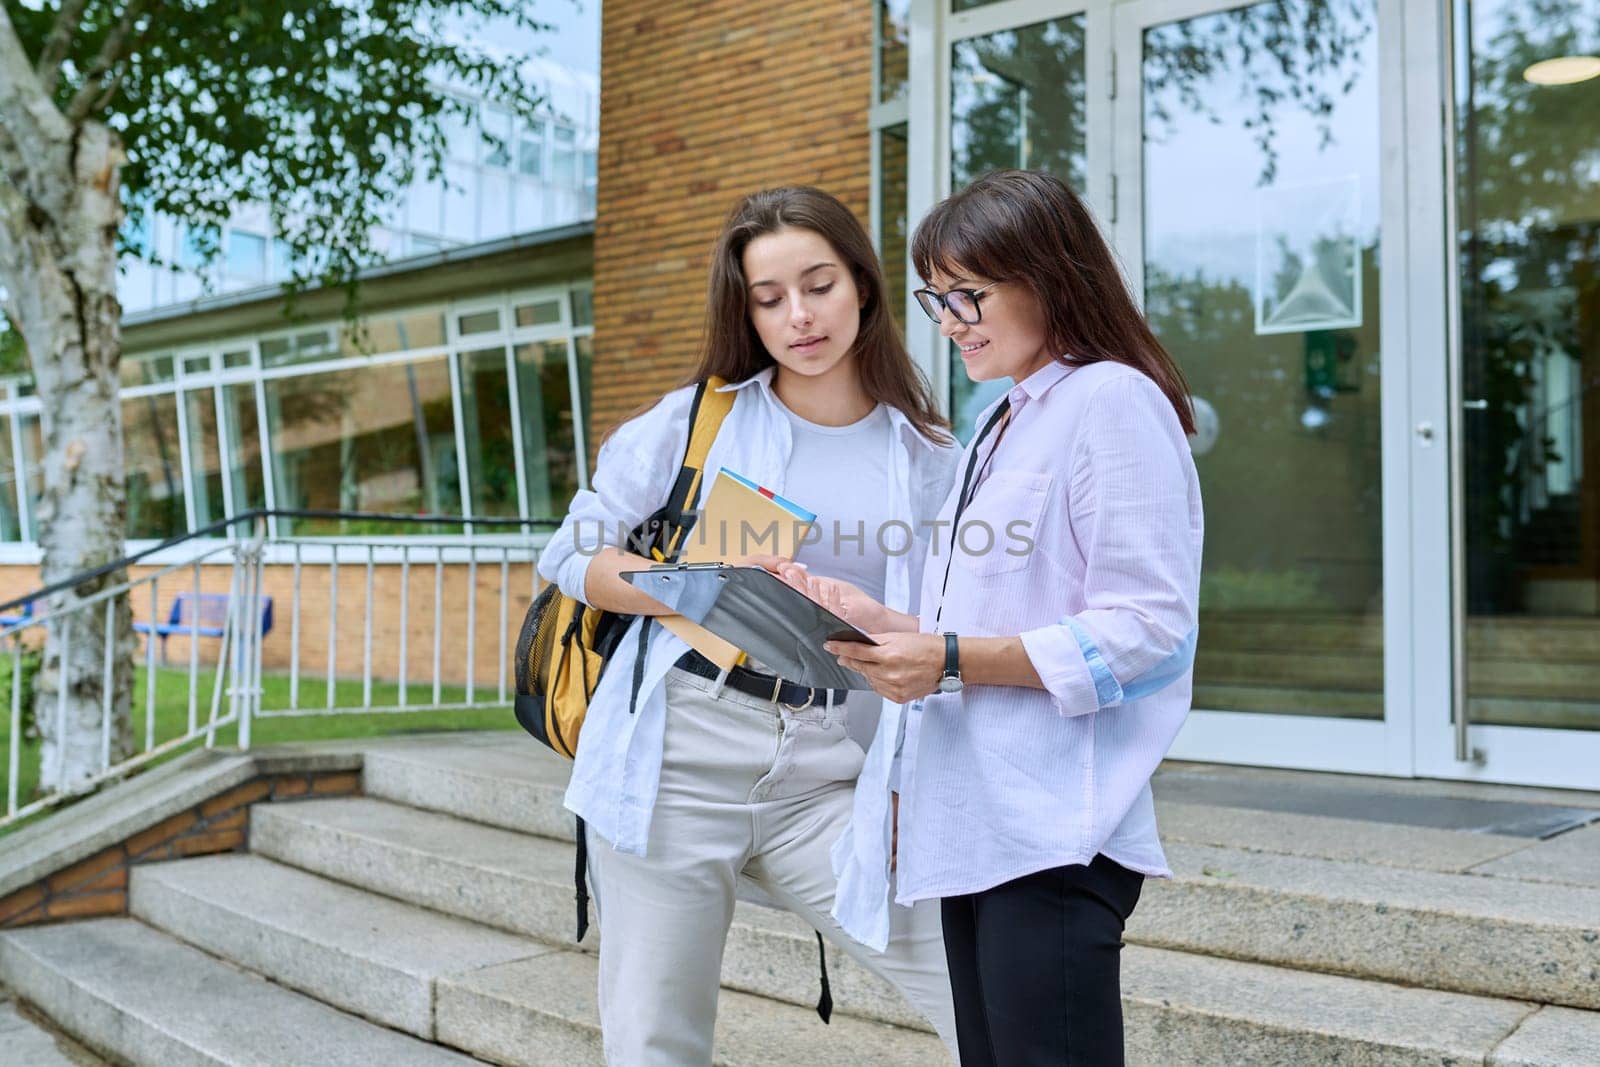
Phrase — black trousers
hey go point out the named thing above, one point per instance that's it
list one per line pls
(1035, 966)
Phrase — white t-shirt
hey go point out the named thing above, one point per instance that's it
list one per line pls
(842, 474)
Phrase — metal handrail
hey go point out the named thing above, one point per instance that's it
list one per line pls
(89, 575)
(230, 692)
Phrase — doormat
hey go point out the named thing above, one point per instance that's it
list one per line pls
(1508, 817)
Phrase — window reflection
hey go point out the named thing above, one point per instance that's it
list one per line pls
(1528, 189)
(1017, 99)
(10, 486)
(490, 429)
(549, 450)
(205, 456)
(892, 216)
(155, 467)
(376, 439)
(244, 447)
(1261, 226)
(894, 54)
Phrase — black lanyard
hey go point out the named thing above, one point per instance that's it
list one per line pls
(968, 489)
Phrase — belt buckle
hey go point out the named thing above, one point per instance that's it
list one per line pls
(811, 696)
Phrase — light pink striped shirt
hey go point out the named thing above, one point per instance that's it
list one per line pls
(999, 781)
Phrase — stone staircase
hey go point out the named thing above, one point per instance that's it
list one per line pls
(429, 921)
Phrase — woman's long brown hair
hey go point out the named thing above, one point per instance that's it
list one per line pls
(731, 349)
(1029, 227)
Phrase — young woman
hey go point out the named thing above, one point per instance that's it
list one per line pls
(1050, 664)
(715, 779)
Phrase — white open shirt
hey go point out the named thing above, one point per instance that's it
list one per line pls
(618, 766)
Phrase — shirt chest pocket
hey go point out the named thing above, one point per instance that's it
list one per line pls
(1001, 525)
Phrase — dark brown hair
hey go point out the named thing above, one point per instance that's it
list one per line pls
(731, 349)
(1029, 227)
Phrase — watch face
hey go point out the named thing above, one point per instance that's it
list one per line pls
(950, 684)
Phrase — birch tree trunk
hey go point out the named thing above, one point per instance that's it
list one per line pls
(59, 213)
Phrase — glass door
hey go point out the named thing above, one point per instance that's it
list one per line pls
(1254, 193)
(1522, 698)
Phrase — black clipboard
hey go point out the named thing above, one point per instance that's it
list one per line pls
(758, 612)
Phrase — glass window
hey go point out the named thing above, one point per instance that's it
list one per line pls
(244, 446)
(583, 307)
(1261, 256)
(892, 169)
(205, 458)
(1017, 99)
(486, 321)
(375, 439)
(1527, 91)
(893, 48)
(236, 359)
(497, 125)
(460, 128)
(425, 205)
(460, 202)
(541, 313)
(530, 158)
(299, 348)
(394, 333)
(199, 242)
(33, 470)
(10, 486)
(246, 256)
(197, 365)
(146, 370)
(564, 157)
(549, 446)
(494, 206)
(489, 429)
(154, 467)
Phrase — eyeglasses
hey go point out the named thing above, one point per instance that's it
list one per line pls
(962, 303)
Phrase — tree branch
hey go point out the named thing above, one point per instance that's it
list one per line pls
(57, 44)
(112, 51)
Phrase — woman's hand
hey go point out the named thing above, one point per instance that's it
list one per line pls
(840, 597)
(901, 667)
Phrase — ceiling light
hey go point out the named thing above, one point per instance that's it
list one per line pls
(1563, 70)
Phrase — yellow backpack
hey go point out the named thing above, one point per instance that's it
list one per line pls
(565, 644)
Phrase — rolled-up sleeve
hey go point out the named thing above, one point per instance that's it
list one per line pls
(1135, 514)
(632, 478)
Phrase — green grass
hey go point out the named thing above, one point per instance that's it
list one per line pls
(172, 715)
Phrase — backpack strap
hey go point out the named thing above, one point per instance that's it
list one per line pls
(711, 406)
(706, 414)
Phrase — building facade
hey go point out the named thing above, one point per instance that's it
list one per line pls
(1368, 232)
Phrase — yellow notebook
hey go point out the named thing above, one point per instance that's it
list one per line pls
(739, 519)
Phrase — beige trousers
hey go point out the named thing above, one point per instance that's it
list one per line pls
(748, 789)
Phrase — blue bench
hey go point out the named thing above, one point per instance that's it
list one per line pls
(199, 615)
(23, 615)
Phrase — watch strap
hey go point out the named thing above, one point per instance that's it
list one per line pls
(952, 656)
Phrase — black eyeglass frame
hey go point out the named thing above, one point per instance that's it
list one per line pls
(941, 299)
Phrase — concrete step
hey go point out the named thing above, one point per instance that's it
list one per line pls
(29, 1042)
(141, 997)
(542, 1011)
(1491, 936)
(1180, 1008)
(501, 779)
(523, 884)
(365, 954)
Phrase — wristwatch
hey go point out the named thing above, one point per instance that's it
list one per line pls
(951, 682)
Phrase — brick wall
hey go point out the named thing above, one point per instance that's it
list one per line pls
(317, 607)
(98, 885)
(701, 103)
